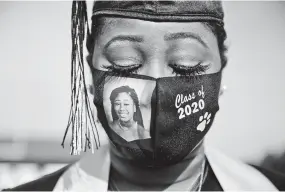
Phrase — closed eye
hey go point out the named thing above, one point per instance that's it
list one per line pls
(118, 70)
(189, 70)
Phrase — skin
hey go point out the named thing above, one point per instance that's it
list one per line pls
(157, 49)
(153, 46)
(124, 108)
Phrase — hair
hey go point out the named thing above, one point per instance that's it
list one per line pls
(221, 35)
(81, 119)
(132, 93)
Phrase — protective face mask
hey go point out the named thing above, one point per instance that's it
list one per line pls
(155, 122)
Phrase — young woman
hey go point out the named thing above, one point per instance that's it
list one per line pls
(175, 52)
(127, 118)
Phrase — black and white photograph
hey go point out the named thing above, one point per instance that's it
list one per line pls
(122, 104)
(142, 95)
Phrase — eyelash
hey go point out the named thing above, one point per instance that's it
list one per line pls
(177, 69)
(118, 70)
(189, 70)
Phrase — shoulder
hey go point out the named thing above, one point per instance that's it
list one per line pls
(277, 178)
(141, 128)
(45, 183)
(241, 175)
(143, 131)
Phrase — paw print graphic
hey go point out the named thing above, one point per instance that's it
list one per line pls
(204, 120)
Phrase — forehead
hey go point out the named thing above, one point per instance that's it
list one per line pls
(123, 95)
(152, 31)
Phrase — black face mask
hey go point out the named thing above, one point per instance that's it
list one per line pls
(155, 122)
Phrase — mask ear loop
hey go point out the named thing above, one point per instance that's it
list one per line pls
(81, 118)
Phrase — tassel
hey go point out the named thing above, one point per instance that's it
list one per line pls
(81, 119)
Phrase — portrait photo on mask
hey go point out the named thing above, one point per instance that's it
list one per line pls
(127, 109)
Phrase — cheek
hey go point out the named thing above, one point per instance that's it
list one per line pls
(117, 107)
(129, 108)
(214, 56)
(98, 59)
(216, 64)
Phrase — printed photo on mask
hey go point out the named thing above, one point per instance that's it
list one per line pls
(122, 104)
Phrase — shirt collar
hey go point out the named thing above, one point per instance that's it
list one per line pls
(91, 173)
(88, 174)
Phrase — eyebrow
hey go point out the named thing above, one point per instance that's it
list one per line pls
(131, 38)
(184, 35)
(120, 100)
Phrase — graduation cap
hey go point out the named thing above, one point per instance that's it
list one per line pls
(161, 10)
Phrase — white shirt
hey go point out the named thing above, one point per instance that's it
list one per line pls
(91, 173)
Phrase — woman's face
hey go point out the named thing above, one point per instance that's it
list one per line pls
(156, 49)
(124, 107)
(160, 49)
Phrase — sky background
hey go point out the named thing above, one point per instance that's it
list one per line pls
(35, 48)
